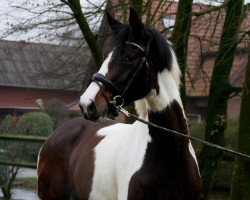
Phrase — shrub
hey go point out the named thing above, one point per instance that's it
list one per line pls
(37, 124)
(8, 124)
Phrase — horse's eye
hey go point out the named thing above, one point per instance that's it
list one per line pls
(130, 56)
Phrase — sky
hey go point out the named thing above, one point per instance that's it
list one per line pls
(9, 16)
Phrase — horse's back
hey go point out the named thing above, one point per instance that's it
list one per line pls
(59, 153)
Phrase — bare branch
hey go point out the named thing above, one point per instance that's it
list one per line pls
(209, 10)
(243, 36)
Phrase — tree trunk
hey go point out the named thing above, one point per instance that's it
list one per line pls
(90, 38)
(220, 89)
(240, 188)
(179, 38)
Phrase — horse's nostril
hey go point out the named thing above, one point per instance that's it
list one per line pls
(86, 116)
(92, 110)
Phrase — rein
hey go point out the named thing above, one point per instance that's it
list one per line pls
(115, 105)
(200, 141)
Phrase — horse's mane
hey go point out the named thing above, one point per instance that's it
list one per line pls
(161, 53)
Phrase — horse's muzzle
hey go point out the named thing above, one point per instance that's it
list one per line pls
(90, 113)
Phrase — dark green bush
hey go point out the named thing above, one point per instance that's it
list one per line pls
(37, 124)
(8, 125)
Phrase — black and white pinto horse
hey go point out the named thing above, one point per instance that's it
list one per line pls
(105, 160)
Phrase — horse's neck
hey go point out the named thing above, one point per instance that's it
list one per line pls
(164, 108)
(172, 117)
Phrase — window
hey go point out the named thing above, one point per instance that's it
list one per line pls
(168, 22)
(194, 117)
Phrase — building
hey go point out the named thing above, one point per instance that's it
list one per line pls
(31, 72)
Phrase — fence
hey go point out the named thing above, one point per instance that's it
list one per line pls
(21, 138)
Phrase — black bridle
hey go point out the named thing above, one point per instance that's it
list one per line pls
(119, 93)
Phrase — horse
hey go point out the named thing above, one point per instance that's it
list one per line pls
(97, 158)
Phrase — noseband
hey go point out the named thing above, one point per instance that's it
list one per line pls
(119, 93)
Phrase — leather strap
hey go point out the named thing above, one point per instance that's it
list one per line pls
(108, 83)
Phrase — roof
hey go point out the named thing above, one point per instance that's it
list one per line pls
(43, 66)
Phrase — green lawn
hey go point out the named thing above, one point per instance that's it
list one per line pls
(27, 183)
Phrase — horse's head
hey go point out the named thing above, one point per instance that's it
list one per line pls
(130, 69)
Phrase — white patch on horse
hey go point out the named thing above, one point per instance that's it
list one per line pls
(169, 82)
(117, 157)
(192, 152)
(168, 91)
(141, 109)
(176, 72)
(38, 159)
(91, 92)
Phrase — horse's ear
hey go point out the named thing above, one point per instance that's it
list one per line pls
(135, 23)
(113, 23)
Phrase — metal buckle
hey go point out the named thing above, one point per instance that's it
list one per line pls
(118, 101)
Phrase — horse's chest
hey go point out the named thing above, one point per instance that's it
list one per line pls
(117, 157)
(158, 180)
(151, 186)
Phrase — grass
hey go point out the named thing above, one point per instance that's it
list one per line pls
(222, 178)
(26, 183)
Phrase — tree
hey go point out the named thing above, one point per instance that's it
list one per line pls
(220, 89)
(180, 38)
(91, 39)
(7, 178)
(240, 187)
(8, 150)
